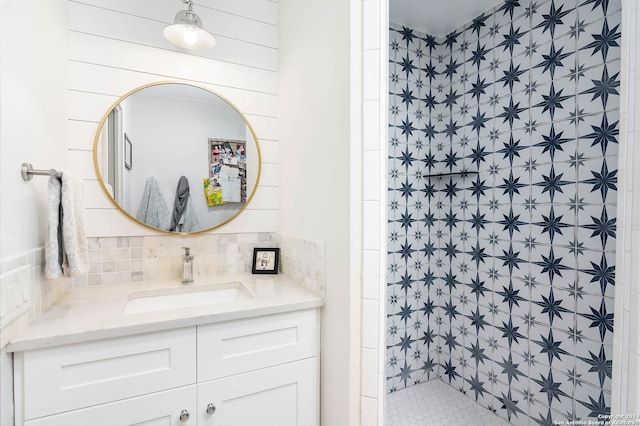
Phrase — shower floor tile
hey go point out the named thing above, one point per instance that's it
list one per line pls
(438, 404)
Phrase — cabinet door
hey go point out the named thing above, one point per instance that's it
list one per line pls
(157, 409)
(285, 395)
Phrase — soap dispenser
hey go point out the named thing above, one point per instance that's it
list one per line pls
(187, 266)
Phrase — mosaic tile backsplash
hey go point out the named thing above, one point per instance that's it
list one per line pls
(303, 261)
(25, 292)
(125, 259)
(500, 279)
(129, 259)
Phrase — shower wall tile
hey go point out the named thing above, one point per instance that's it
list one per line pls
(500, 279)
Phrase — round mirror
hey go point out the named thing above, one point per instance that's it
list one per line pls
(177, 157)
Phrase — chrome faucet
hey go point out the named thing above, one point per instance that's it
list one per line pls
(187, 266)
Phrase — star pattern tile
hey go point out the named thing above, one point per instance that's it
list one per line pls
(500, 282)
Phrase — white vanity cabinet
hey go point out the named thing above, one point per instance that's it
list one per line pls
(255, 371)
(258, 372)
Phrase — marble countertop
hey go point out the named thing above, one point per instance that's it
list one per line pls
(96, 312)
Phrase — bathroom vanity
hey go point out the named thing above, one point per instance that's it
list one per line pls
(122, 354)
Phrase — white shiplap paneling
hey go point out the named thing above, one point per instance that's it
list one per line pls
(91, 107)
(257, 11)
(86, 77)
(81, 134)
(117, 45)
(165, 64)
(94, 196)
(248, 221)
(135, 29)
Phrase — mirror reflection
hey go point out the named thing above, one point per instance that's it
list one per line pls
(177, 157)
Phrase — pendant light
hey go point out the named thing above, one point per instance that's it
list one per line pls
(187, 32)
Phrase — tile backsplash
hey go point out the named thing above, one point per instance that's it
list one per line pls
(303, 261)
(127, 259)
(25, 292)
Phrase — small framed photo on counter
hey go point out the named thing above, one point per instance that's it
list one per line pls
(265, 260)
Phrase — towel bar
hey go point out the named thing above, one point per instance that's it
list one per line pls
(439, 175)
(28, 171)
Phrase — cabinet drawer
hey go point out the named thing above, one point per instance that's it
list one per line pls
(69, 377)
(236, 347)
(161, 408)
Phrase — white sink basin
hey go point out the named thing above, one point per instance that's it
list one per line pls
(185, 297)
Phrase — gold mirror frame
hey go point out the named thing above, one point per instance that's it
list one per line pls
(97, 140)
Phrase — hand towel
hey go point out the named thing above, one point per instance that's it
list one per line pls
(183, 218)
(66, 249)
(180, 202)
(153, 209)
(54, 257)
(189, 221)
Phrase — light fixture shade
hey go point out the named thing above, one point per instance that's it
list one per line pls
(187, 32)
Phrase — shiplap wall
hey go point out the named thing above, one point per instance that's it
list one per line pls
(117, 45)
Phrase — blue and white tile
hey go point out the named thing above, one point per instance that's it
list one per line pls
(605, 86)
(594, 365)
(576, 163)
(595, 322)
(599, 135)
(598, 227)
(592, 401)
(598, 180)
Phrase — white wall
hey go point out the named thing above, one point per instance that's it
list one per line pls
(375, 26)
(117, 45)
(33, 107)
(316, 175)
(625, 392)
(33, 110)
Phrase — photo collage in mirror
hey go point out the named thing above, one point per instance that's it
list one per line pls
(227, 181)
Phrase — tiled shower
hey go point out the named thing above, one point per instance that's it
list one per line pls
(502, 180)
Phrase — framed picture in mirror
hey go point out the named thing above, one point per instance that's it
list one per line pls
(265, 260)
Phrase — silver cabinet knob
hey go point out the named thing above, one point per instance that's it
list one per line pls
(211, 409)
(184, 416)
